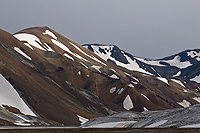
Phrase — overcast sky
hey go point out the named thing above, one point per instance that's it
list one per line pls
(144, 28)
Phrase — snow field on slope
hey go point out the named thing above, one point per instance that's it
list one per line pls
(128, 104)
(10, 97)
(31, 39)
(177, 63)
(22, 53)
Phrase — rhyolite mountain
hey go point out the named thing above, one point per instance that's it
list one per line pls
(54, 81)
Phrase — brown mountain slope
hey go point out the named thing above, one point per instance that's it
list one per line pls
(60, 79)
(107, 76)
(42, 94)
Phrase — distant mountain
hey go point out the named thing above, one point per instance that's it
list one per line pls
(55, 80)
(183, 65)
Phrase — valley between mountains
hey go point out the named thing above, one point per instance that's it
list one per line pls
(49, 80)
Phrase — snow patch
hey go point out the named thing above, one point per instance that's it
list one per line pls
(68, 56)
(134, 82)
(179, 82)
(48, 48)
(145, 96)
(135, 79)
(31, 39)
(145, 109)
(10, 97)
(97, 67)
(84, 65)
(22, 53)
(128, 104)
(127, 74)
(47, 32)
(155, 71)
(150, 62)
(113, 89)
(177, 74)
(130, 85)
(121, 90)
(82, 119)
(20, 123)
(197, 99)
(113, 70)
(79, 72)
(177, 63)
(28, 45)
(114, 76)
(163, 79)
(196, 79)
(184, 103)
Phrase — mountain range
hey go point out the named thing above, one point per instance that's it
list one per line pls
(48, 79)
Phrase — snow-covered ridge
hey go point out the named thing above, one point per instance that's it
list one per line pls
(105, 53)
(177, 62)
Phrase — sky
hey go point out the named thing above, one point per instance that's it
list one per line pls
(145, 28)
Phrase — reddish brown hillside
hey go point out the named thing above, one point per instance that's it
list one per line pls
(60, 79)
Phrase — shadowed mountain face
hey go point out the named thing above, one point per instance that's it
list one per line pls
(184, 64)
(54, 78)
